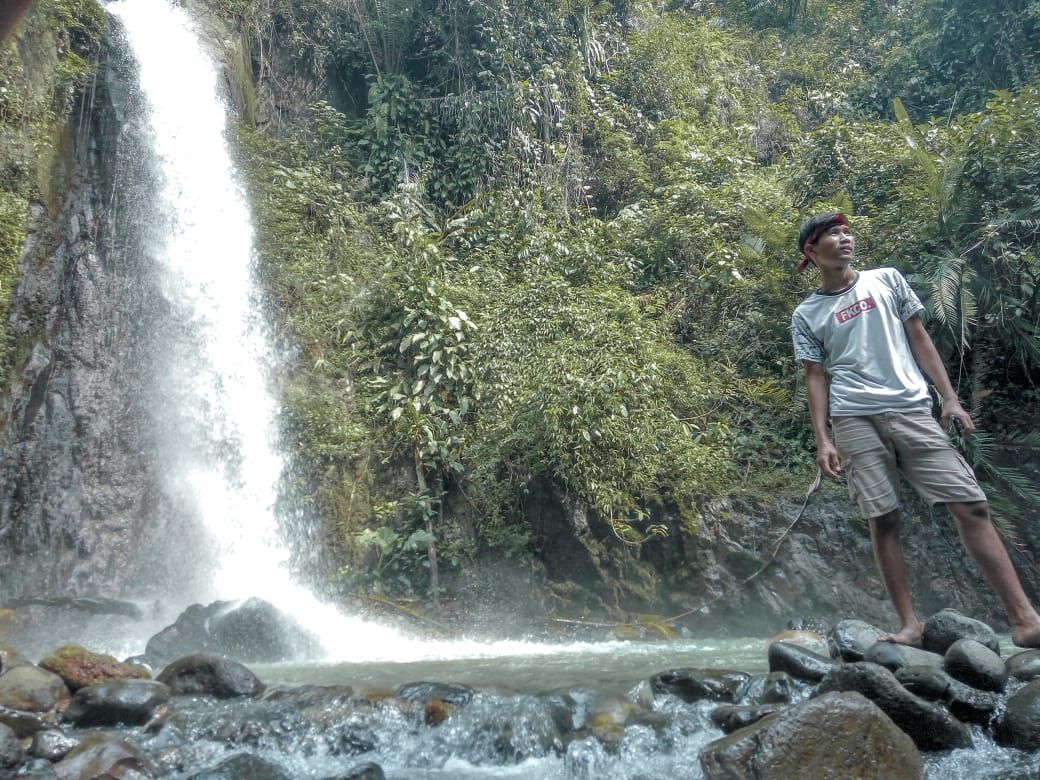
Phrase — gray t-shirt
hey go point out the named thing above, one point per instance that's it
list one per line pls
(859, 338)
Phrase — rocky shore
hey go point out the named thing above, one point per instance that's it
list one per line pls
(833, 704)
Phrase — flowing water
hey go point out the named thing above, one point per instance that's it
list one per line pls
(218, 418)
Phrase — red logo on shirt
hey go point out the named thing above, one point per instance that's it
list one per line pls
(856, 309)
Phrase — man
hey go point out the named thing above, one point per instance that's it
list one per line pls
(864, 346)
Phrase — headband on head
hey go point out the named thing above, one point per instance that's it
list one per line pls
(837, 218)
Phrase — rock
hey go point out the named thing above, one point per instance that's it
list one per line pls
(964, 702)
(944, 628)
(52, 745)
(209, 674)
(10, 748)
(31, 688)
(930, 726)
(251, 630)
(244, 766)
(25, 724)
(10, 658)
(459, 695)
(730, 717)
(893, 656)
(36, 769)
(700, 684)
(772, 688)
(799, 662)
(1019, 725)
(95, 605)
(838, 735)
(123, 702)
(79, 667)
(366, 771)
(849, 640)
(104, 756)
(1024, 666)
(975, 664)
(810, 640)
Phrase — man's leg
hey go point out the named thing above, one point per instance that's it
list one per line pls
(983, 542)
(888, 552)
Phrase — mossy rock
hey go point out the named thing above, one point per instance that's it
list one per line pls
(80, 667)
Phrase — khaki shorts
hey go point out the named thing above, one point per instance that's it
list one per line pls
(876, 449)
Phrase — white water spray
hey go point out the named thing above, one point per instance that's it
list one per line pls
(218, 415)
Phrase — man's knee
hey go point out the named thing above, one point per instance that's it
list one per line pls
(885, 524)
(970, 512)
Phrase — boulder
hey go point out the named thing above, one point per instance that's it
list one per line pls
(211, 675)
(975, 664)
(366, 771)
(104, 756)
(930, 726)
(730, 717)
(799, 662)
(1019, 725)
(10, 658)
(52, 745)
(25, 724)
(700, 684)
(772, 688)
(849, 640)
(964, 702)
(36, 769)
(123, 702)
(244, 766)
(893, 656)
(10, 748)
(32, 689)
(251, 630)
(838, 735)
(810, 640)
(1024, 666)
(944, 628)
(79, 667)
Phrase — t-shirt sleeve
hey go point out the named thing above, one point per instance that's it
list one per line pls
(907, 302)
(806, 345)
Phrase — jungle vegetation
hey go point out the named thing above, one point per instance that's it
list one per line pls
(517, 241)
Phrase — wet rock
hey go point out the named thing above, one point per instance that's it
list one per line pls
(849, 640)
(252, 630)
(964, 702)
(244, 766)
(31, 688)
(700, 684)
(10, 748)
(930, 726)
(210, 675)
(25, 724)
(459, 695)
(730, 717)
(975, 664)
(840, 735)
(36, 769)
(810, 640)
(1019, 725)
(104, 756)
(799, 662)
(95, 605)
(366, 771)
(893, 656)
(10, 658)
(79, 667)
(944, 628)
(1024, 666)
(52, 745)
(772, 688)
(124, 702)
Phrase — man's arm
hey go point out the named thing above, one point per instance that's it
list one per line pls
(928, 359)
(816, 387)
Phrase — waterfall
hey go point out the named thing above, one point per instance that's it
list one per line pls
(215, 413)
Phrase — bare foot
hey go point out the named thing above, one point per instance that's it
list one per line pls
(1027, 635)
(907, 635)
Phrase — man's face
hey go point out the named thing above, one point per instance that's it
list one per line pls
(834, 248)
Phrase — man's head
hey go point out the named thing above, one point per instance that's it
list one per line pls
(813, 229)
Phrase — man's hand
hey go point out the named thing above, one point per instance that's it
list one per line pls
(952, 410)
(828, 459)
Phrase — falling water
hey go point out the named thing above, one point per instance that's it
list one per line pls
(216, 410)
